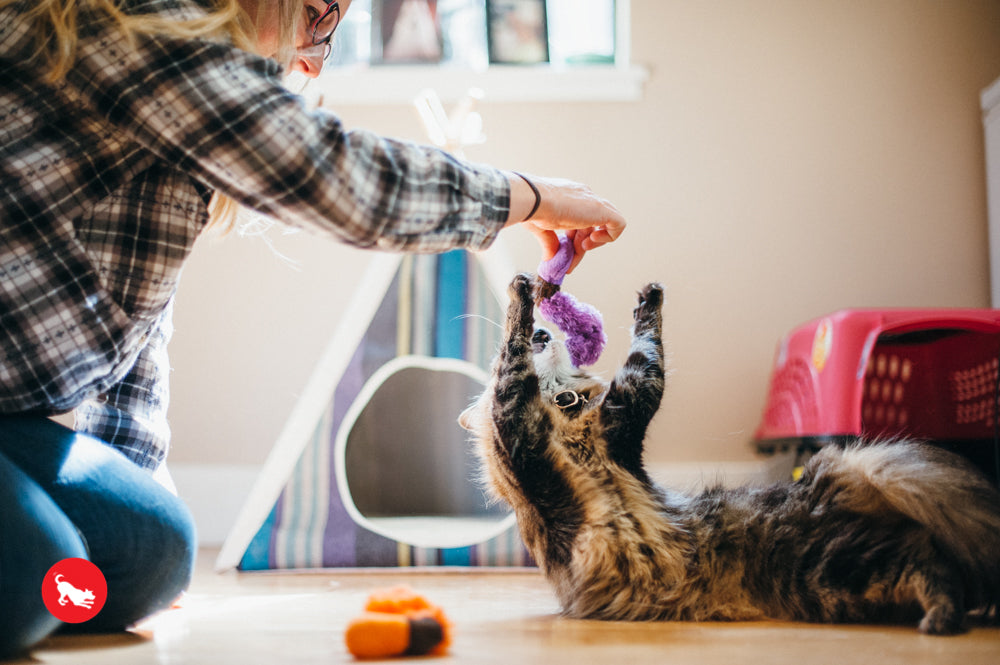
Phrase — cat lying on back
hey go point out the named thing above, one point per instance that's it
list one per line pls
(878, 532)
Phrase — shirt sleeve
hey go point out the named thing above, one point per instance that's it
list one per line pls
(132, 415)
(223, 116)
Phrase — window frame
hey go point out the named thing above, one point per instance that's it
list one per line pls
(378, 84)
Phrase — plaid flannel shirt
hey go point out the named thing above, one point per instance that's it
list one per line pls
(104, 181)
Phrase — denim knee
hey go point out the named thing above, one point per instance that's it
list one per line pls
(156, 569)
(178, 547)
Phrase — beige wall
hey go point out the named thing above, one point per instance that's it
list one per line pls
(789, 158)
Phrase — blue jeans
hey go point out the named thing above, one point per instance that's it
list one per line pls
(64, 494)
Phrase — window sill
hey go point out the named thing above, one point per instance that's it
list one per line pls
(401, 84)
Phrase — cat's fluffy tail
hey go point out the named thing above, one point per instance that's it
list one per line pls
(935, 488)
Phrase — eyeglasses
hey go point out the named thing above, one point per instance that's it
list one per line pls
(324, 25)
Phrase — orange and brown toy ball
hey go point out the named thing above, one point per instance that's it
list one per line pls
(398, 622)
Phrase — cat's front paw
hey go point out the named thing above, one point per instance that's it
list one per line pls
(521, 288)
(521, 311)
(650, 301)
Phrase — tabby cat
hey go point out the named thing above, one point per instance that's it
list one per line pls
(877, 532)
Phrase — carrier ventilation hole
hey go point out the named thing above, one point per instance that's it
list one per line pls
(973, 392)
(886, 376)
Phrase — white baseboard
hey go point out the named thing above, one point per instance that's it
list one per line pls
(215, 493)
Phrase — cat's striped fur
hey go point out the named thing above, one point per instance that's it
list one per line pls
(878, 532)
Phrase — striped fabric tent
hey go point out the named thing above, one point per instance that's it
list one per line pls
(372, 468)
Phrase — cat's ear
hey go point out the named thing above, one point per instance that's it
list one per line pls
(468, 418)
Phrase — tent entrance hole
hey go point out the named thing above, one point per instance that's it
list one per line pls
(408, 469)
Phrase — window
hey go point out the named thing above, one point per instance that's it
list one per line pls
(386, 51)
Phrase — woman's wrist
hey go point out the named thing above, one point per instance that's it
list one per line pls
(534, 190)
(524, 199)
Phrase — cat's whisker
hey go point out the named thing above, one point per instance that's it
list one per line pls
(478, 316)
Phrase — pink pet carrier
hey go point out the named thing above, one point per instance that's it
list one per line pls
(932, 374)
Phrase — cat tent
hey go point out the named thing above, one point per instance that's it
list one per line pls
(371, 468)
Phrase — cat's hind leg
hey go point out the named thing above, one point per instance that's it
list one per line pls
(941, 599)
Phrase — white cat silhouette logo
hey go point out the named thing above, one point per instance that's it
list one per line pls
(69, 593)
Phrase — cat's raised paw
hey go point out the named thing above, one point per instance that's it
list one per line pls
(650, 299)
(521, 287)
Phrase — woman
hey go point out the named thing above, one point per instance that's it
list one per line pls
(127, 127)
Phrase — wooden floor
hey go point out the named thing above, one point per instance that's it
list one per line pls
(503, 617)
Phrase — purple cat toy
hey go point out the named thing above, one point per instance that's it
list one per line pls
(582, 323)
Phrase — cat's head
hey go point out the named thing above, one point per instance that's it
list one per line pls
(563, 386)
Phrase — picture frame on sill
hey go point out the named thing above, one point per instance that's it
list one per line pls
(517, 32)
(406, 32)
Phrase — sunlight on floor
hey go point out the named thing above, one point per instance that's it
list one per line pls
(499, 617)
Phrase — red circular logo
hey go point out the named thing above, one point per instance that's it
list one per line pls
(74, 590)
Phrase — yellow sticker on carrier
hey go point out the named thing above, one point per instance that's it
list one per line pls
(822, 343)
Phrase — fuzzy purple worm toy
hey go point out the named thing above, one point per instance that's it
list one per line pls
(582, 323)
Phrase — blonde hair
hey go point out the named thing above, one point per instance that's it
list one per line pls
(54, 27)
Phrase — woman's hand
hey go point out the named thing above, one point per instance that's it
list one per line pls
(589, 220)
